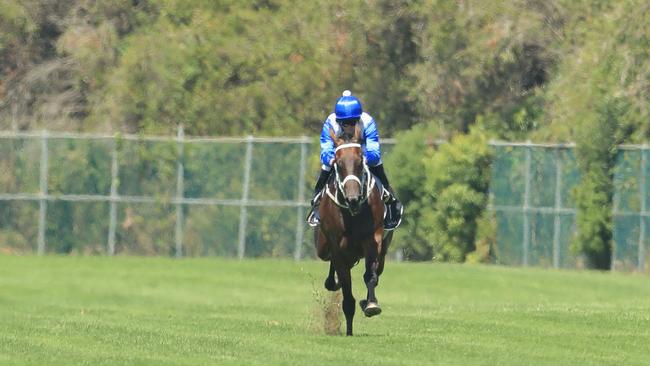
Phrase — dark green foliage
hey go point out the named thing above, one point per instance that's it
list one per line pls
(407, 172)
(276, 67)
(483, 62)
(457, 181)
(444, 188)
(453, 222)
(391, 50)
(598, 101)
(596, 156)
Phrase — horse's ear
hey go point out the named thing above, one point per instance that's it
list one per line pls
(336, 140)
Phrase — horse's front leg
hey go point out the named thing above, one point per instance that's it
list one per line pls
(343, 272)
(322, 246)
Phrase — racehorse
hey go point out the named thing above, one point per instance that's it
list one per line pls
(351, 226)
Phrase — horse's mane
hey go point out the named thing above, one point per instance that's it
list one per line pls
(346, 137)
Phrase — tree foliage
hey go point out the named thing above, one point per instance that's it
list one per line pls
(457, 182)
(446, 192)
(407, 171)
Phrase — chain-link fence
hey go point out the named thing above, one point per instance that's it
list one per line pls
(148, 195)
(180, 196)
(532, 196)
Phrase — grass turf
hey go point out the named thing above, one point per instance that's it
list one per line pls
(159, 311)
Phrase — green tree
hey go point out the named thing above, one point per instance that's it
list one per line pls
(484, 63)
(596, 101)
(596, 156)
(390, 50)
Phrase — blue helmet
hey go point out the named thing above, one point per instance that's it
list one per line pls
(348, 106)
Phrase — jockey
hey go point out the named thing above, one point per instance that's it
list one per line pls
(347, 112)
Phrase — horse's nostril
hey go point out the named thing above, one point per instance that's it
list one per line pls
(354, 202)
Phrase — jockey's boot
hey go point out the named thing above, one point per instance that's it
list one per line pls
(313, 218)
(394, 207)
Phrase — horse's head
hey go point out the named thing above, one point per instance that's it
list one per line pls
(349, 167)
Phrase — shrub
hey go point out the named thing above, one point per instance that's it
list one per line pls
(457, 182)
(406, 171)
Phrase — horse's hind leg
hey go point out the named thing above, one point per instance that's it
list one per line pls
(374, 269)
(382, 255)
(330, 281)
(343, 273)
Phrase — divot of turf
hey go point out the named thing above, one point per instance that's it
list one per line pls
(325, 310)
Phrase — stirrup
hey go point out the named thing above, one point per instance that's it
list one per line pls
(387, 196)
(317, 197)
(393, 215)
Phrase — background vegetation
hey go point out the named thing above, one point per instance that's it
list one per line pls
(556, 70)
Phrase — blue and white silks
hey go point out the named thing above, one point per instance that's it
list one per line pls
(369, 143)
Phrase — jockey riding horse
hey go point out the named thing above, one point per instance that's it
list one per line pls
(347, 113)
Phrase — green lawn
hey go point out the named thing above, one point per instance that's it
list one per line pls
(159, 311)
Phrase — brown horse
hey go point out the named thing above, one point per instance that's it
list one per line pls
(351, 226)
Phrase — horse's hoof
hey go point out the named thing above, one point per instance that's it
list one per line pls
(371, 309)
(331, 284)
(362, 304)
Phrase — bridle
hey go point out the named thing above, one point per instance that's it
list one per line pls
(366, 182)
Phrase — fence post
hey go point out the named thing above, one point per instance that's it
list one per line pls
(642, 213)
(113, 209)
(558, 206)
(300, 223)
(243, 219)
(526, 209)
(399, 255)
(14, 114)
(42, 214)
(179, 193)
